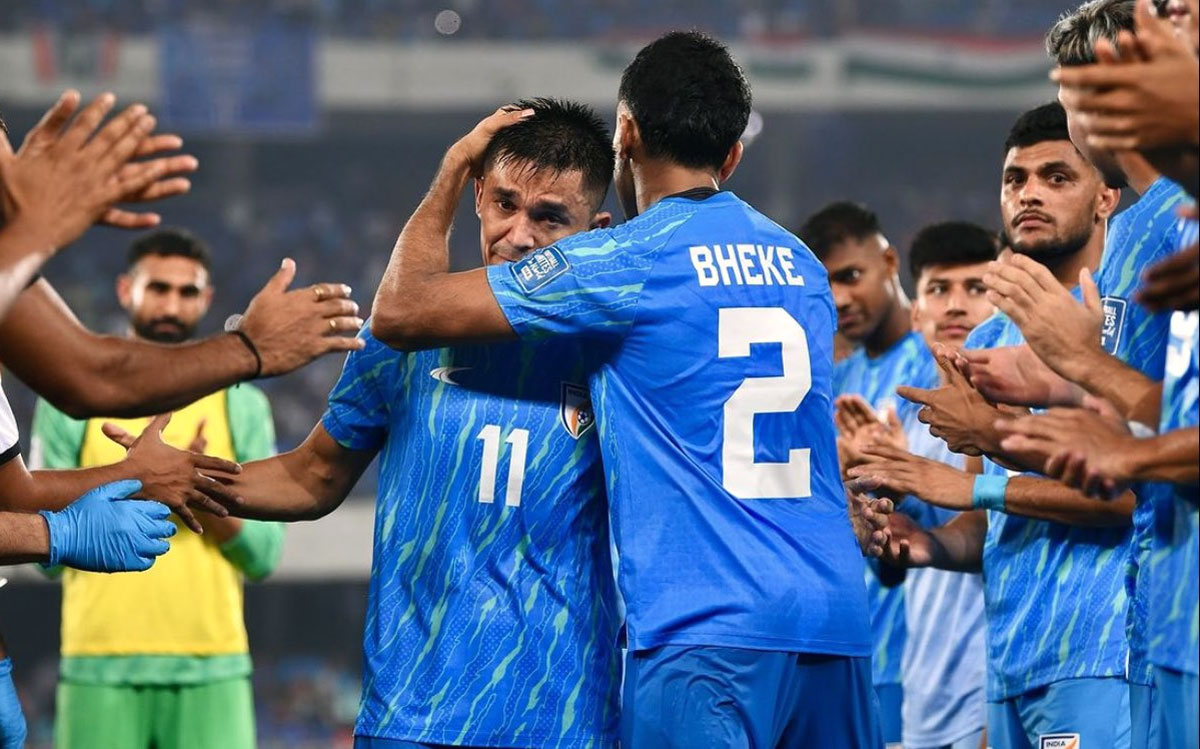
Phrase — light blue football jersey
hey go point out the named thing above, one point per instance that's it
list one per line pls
(1138, 237)
(1054, 593)
(944, 677)
(1175, 562)
(491, 617)
(908, 362)
(713, 405)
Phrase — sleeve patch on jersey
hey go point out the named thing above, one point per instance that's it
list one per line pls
(1114, 320)
(539, 268)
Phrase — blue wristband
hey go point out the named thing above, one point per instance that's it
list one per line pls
(988, 492)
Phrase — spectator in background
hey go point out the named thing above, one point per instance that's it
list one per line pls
(161, 659)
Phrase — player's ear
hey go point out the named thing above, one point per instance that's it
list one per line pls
(601, 220)
(125, 290)
(732, 159)
(1107, 202)
(891, 258)
(626, 138)
(478, 195)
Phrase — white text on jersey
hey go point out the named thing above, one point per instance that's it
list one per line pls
(744, 265)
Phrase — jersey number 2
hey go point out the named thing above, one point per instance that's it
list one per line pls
(743, 477)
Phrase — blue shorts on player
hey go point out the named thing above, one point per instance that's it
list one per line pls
(1087, 712)
(1178, 695)
(695, 696)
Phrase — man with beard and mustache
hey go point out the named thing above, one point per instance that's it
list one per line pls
(1112, 347)
(1053, 560)
(160, 658)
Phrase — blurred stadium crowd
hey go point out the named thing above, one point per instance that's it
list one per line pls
(556, 19)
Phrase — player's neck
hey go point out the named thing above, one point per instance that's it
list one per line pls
(895, 325)
(656, 180)
(1138, 172)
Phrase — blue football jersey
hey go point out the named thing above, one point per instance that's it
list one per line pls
(713, 404)
(1175, 563)
(943, 677)
(907, 362)
(1055, 594)
(491, 617)
(1138, 237)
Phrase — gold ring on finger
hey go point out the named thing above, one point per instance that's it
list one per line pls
(333, 325)
(319, 292)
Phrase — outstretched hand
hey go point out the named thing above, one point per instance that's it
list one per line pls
(1062, 332)
(859, 426)
(1141, 92)
(1014, 375)
(1080, 447)
(291, 328)
(104, 531)
(908, 544)
(71, 172)
(173, 476)
(900, 473)
(956, 412)
(868, 516)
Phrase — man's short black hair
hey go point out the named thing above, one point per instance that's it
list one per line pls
(171, 243)
(951, 243)
(690, 100)
(1045, 123)
(561, 136)
(1072, 40)
(836, 223)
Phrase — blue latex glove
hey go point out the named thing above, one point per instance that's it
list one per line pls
(104, 532)
(12, 720)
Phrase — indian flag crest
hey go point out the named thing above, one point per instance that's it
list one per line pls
(575, 410)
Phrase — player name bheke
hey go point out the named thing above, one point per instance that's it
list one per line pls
(744, 265)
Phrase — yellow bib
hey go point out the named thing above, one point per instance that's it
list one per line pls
(190, 601)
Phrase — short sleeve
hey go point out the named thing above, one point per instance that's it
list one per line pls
(586, 285)
(357, 413)
(10, 436)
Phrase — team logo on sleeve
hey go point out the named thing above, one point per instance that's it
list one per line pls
(575, 410)
(1112, 324)
(1058, 741)
(539, 268)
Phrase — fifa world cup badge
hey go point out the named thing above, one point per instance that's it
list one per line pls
(575, 410)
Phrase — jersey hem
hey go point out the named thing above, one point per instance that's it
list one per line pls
(488, 740)
(754, 642)
(1003, 695)
(1192, 669)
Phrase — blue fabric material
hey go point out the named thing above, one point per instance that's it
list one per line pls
(491, 614)
(713, 405)
(1096, 711)
(1178, 708)
(693, 696)
(1055, 593)
(875, 378)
